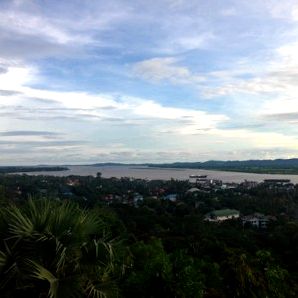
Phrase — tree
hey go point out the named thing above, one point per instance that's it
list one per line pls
(188, 278)
(152, 271)
(241, 279)
(275, 277)
(57, 249)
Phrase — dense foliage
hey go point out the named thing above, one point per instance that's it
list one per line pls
(56, 248)
(86, 237)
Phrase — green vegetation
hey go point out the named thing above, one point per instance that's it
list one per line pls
(19, 169)
(88, 237)
(57, 249)
(277, 166)
(261, 170)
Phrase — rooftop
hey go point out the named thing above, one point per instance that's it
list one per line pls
(224, 212)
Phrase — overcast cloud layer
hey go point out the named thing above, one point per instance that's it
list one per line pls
(135, 81)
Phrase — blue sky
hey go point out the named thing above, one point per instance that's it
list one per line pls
(136, 81)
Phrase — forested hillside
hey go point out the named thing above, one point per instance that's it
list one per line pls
(277, 166)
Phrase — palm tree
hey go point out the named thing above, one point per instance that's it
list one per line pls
(56, 249)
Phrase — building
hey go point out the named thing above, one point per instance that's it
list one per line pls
(193, 190)
(222, 215)
(194, 179)
(249, 184)
(257, 220)
(230, 185)
(171, 197)
(137, 199)
(277, 181)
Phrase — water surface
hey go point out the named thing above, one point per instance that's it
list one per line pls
(163, 174)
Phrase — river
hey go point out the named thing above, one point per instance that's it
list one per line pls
(163, 174)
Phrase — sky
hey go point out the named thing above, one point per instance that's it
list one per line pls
(147, 81)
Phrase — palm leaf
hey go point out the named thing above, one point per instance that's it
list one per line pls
(103, 288)
(41, 273)
(19, 224)
(57, 242)
(3, 260)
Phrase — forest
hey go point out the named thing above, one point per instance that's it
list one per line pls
(97, 237)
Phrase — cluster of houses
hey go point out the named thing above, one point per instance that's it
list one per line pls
(199, 184)
(135, 199)
(257, 220)
(279, 184)
(205, 184)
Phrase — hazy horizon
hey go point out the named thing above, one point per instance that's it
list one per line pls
(137, 82)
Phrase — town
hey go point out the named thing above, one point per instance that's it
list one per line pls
(171, 238)
(216, 200)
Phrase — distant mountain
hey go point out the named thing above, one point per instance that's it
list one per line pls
(235, 163)
(277, 166)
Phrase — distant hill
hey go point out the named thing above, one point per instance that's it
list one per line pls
(25, 169)
(268, 166)
(109, 164)
(276, 166)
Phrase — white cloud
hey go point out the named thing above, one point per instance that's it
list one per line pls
(283, 9)
(82, 114)
(166, 69)
(295, 13)
(193, 42)
(201, 40)
(16, 76)
(31, 104)
(271, 91)
(264, 140)
(30, 29)
(28, 24)
(181, 43)
(229, 12)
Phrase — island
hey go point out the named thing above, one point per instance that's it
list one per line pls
(25, 169)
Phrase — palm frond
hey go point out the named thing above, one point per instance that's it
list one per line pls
(20, 225)
(9, 266)
(41, 273)
(3, 260)
(61, 255)
(102, 289)
(60, 244)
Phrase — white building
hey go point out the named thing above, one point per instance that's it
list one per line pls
(257, 220)
(222, 215)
